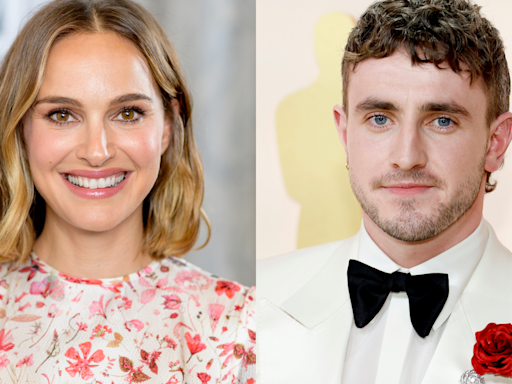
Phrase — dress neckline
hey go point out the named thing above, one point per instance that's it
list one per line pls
(105, 283)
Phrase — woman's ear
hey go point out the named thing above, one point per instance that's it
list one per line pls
(499, 140)
(166, 134)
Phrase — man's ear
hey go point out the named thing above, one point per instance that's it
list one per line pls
(340, 121)
(166, 134)
(499, 140)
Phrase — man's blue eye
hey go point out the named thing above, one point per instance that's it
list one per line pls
(380, 120)
(444, 122)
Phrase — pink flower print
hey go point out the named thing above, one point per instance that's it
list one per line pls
(82, 326)
(50, 286)
(79, 280)
(215, 311)
(27, 360)
(170, 342)
(227, 287)
(97, 308)
(6, 338)
(100, 331)
(4, 361)
(36, 266)
(83, 365)
(23, 307)
(194, 344)
(204, 377)
(150, 360)
(172, 302)
(125, 302)
(134, 323)
(149, 294)
(173, 380)
(18, 299)
(226, 348)
(192, 280)
(248, 357)
(54, 311)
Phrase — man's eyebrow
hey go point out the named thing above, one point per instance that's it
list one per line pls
(371, 104)
(450, 107)
(119, 100)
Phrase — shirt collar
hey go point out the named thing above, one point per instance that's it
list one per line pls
(459, 262)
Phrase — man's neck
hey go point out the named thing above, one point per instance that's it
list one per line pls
(409, 254)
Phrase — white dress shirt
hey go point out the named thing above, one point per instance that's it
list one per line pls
(388, 350)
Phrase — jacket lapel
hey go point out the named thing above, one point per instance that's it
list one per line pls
(486, 299)
(302, 339)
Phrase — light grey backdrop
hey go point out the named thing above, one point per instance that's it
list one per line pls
(215, 40)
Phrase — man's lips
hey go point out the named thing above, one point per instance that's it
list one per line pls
(407, 189)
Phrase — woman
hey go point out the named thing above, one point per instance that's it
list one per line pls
(101, 181)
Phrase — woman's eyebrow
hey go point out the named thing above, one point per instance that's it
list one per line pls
(76, 103)
(58, 100)
(130, 97)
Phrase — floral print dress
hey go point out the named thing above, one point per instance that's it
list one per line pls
(170, 323)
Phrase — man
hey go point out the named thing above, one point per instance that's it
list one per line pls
(424, 123)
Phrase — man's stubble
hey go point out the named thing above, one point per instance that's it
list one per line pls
(409, 224)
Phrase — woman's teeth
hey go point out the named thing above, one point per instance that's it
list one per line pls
(85, 182)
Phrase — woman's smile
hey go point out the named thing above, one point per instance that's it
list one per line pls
(90, 186)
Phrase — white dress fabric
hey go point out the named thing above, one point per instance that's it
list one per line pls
(169, 323)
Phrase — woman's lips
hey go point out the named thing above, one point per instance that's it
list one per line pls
(96, 188)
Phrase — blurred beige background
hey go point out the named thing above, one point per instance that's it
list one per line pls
(303, 194)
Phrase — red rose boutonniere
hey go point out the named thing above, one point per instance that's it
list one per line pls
(492, 353)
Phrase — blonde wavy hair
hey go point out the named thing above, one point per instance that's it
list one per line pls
(172, 211)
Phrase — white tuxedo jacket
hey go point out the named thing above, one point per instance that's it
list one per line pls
(305, 315)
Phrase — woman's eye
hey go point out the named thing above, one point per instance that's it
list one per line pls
(61, 117)
(128, 115)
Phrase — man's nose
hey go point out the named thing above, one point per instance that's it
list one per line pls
(96, 148)
(408, 148)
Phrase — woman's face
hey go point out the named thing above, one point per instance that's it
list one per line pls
(96, 131)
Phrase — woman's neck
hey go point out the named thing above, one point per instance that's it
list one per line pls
(87, 254)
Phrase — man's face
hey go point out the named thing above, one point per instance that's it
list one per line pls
(416, 140)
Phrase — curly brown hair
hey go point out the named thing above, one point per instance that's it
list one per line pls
(434, 31)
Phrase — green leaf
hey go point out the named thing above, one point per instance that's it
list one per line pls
(113, 344)
(118, 337)
(139, 377)
(125, 364)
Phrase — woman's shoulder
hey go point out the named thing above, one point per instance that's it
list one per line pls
(182, 276)
(188, 275)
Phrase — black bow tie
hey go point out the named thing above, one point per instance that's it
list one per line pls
(369, 289)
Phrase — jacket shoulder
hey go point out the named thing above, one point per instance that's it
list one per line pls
(278, 277)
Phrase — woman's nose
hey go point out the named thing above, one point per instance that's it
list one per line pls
(96, 148)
